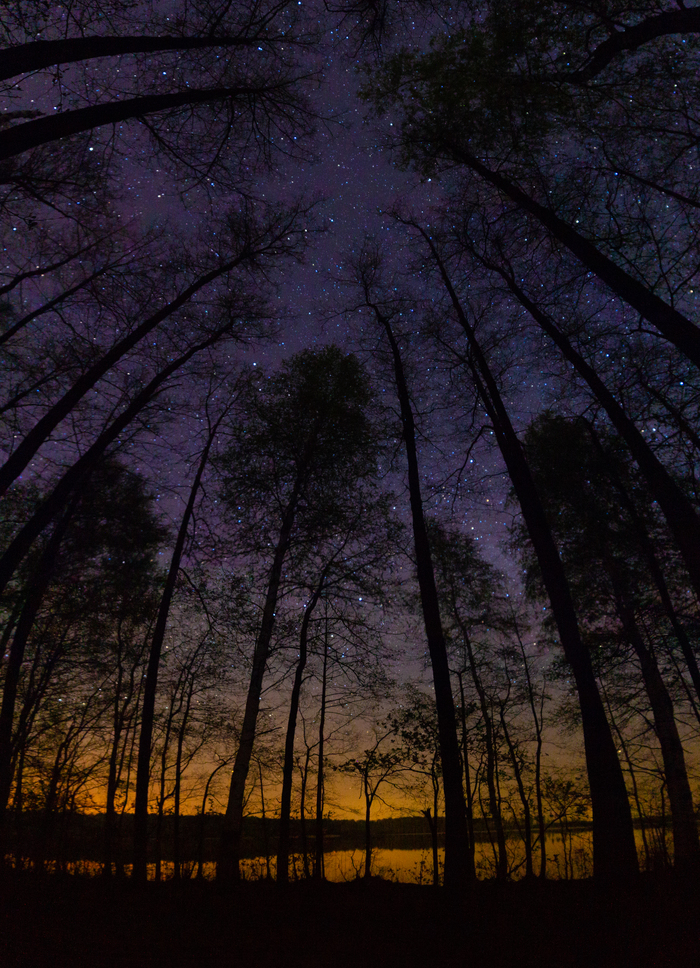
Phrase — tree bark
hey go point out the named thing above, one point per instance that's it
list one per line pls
(34, 597)
(288, 768)
(614, 851)
(686, 843)
(26, 450)
(41, 131)
(674, 326)
(72, 478)
(489, 740)
(143, 767)
(319, 872)
(683, 21)
(227, 869)
(469, 798)
(527, 815)
(40, 54)
(537, 719)
(368, 829)
(680, 514)
(649, 553)
(458, 867)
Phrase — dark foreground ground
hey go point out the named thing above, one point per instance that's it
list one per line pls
(70, 922)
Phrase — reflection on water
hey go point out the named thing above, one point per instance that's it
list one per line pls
(570, 857)
(567, 857)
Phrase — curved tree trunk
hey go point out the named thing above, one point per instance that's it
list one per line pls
(40, 54)
(679, 512)
(537, 719)
(143, 768)
(227, 868)
(674, 326)
(458, 859)
(53, 127)
(27, 617)
(686, 843)
(489, 740)
(614, 851)
(469, 796)
(75, 475)
(527, 815)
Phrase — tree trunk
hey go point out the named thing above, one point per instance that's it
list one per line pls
(227, 868)
(649, 552)
(686, 844)
(40, 54)
(200, 837)
(161, 799)
(32, 603)
(537, 719)
(149, 694)
(494, 805)
(368, 831)
(517, 772)
(266, 839)
(319, 872)
(177, 860)
(302, 813)
(287, 772)
(633, 781)
(75, 475)
(53, 127)
(25, 451)
(467, 778)
(458, 866)
(680, 515)
(110, 814)
(614, 851)
(675, 327)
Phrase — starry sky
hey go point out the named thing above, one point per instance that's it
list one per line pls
(354, 176)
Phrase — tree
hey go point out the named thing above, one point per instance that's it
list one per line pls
(614, 848)
(415, 727)
(469, 594)
(143, 771)
(276, 239)
(114, 77)
(354, 559)
(379, 764)
(495, 98)
(93, 573)
(678, 509)
(289, 473)
(458, 859)
(608, 570)
(492, 77)
(198, 80)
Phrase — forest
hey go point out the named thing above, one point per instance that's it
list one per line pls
(323, 514)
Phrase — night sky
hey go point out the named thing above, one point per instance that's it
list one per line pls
(355, 177)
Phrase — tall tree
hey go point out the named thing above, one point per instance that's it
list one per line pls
(350, 565)
(600, 539)
(90, 551)
(289, 473)
(458, 858)
(143, 770)
(614, 847)
(198, 81)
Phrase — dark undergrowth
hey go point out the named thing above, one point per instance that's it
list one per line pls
(68, 921)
